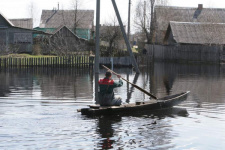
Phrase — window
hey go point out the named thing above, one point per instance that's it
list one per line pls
(22, 37)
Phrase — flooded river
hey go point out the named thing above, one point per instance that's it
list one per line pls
(38, 109)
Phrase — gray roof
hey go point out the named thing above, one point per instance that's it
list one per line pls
(198, 33)
(165, 14)
(56, 18)
(4, 21)
(23, 23)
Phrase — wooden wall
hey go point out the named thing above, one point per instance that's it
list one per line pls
(16, 39)
(186, 53)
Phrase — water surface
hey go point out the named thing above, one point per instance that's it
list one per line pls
(38, 109)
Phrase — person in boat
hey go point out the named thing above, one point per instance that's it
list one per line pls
(106, 93)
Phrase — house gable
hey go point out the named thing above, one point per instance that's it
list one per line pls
(65, 32)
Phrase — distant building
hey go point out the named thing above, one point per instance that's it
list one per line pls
(80, 22)
(14, 38)
(64, 37)
(196, 33)
(23, 23)
(165, 14)
(189, 34)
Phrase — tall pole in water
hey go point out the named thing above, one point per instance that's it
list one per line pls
(144, 13)
(97, 50)
(128, 28)
(125, 37)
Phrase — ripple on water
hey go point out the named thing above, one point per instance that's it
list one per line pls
(39, 110)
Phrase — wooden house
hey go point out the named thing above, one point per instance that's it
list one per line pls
(64, 38)
(14, 38)
(188, 34)
(165, 14)
(80, 22)
(62, 41)
(192, 42)
(195, 33)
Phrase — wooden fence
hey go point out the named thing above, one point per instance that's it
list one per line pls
(72, 61)
(186, 53)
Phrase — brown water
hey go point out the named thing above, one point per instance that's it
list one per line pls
(38, 109)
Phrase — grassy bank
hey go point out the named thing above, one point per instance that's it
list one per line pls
(24, 56)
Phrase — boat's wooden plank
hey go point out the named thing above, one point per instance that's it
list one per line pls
(94, 106)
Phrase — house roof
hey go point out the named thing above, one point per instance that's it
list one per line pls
(198, 33)
(56, 18)
(23, 23)
(165, 14)
(65, 27)
(6, 20)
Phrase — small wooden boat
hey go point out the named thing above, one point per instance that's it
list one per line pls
(165, 102)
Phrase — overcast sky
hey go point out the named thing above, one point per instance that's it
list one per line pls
(19, 8)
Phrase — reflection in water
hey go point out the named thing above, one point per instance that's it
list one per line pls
(47, 83)
(4, 85)
(206, 82)
(105, 129)
(168, 85)
(109, 126)
(38, 109)
(129, 92)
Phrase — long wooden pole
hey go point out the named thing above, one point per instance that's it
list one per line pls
(139, 88)
(97, 50)
(128, 27)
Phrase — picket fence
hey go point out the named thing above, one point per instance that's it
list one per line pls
(71, 61)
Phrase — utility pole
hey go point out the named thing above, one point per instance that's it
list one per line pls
(144, 13)
(97, 50)
(125, 37)
(128, 28)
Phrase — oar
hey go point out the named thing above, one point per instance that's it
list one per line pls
(139, 88)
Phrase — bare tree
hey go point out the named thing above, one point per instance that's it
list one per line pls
(145, 17)
(112, 36)
(32, 12)
(76, 5)
(5, 47)
(63, 43)
(8, 49)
